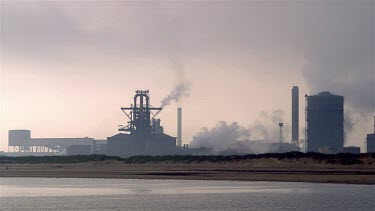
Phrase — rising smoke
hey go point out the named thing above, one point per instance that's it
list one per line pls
(238, 139)
(221, 137)
(180, 91)
(266, 127)
(167, 31)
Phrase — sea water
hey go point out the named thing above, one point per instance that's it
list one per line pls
(160, 195)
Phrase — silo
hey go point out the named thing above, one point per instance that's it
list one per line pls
(325, 121)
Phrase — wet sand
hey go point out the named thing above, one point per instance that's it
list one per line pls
(261, 170)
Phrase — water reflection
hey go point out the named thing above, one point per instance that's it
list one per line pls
(121, 194)
(24, 187)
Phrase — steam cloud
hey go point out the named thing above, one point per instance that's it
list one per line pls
(221, 137)
(236, 139)
(180, 90)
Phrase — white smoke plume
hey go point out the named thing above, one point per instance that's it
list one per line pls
(180, 91)
(221, 137)
(236, 139)
(266, 127)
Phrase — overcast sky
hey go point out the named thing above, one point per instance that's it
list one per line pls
(68, 66)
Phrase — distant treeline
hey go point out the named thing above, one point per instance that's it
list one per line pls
(340, 159)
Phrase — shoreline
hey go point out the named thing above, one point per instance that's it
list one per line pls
(195, 171)
(192, 179)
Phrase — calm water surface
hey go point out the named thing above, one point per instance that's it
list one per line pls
(124, 194)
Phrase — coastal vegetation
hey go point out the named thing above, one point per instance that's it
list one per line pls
(338, 159)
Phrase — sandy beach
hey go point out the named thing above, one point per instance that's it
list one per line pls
(300, 170)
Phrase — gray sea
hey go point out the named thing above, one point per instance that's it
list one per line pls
(160, 195)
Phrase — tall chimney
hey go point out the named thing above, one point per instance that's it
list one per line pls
(179, 127)
(295, 115)
(281, 131)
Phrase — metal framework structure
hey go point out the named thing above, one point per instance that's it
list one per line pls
(139, 114)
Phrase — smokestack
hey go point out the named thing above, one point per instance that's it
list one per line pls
(374, 124)
(179, 127)
(295, 115)
(281, 131)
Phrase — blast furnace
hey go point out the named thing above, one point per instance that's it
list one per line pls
(143, 135)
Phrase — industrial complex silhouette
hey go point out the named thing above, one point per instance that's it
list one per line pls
(144, 135)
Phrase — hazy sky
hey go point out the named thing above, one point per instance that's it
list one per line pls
(68, 66)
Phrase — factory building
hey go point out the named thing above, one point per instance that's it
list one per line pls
(325, 122)
(351, 150)
(256, 147)
(20, 142)
(370, 141)
(143, 135)
(328, 150)
(295, 115)
(79, 150)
